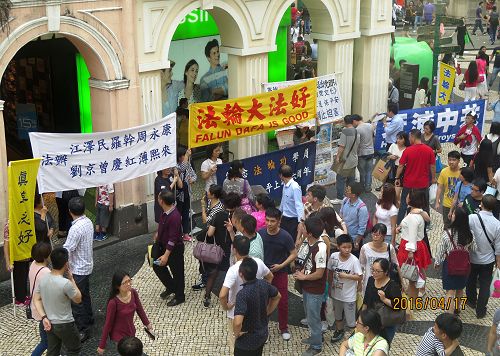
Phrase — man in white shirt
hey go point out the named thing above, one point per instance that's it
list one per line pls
(486, 231)
(233, 282)
(291, 202)
(81, 262)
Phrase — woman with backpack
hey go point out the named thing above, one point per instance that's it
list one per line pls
(456, 243)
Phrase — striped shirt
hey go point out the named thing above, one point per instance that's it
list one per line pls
(212, 211)
(79, 245)
(430, 345)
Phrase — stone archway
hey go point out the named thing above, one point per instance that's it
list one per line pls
(102, 60)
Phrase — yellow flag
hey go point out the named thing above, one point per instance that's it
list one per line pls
(22, 184)
(224, 120)
(446, 80)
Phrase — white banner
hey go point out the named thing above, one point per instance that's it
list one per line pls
(75, 161)
(329, 103)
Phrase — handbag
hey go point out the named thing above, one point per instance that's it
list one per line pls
(207, 252)
(382, 169)
(29, 315)
(458, 259)
(338, 167)
(389, 316)
(409, 271)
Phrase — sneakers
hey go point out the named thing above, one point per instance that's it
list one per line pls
(304, 322)
(100, 236)
(336, 201)
(311, 352)
(198, 286)
(324, 326)
(164, 295)
(337, 336)
(286, 335)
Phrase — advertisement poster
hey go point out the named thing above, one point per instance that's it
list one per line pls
(326, 149)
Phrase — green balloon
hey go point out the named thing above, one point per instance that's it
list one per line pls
(415, 53)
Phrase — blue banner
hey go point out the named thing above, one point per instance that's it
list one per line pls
(448, 120)
(264, 169)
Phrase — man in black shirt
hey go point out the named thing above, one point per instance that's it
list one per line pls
(461, 31)
(254, 303)
(472, 202)
(479, 19)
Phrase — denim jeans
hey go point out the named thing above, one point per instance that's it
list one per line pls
(312, 308)
(341, 183)
(42, 345)
(493, 76)
(478, 25)
(418, 22)
(365, 167)
(493, 33)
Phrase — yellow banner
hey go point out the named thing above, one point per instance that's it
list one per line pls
(22, 184)
(225, 120)
(446, 80)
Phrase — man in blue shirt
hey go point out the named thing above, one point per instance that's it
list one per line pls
(428, 12)
(355, 215)
(394, 126)
(479, 19)
(213, 84)
(291, 202)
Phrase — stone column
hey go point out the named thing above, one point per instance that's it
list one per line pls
(337, 57)
(245, 76)
(370, 74)
(4, 199)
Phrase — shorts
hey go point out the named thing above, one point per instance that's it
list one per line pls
(345, 310)
(102, 215)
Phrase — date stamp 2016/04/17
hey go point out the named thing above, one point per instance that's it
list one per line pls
(432, 303)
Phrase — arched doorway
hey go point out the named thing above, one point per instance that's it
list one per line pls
(45, 89)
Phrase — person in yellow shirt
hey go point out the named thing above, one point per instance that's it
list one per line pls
(448, 179)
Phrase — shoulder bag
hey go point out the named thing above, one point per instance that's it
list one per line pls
(28, 307)
(389, 316)
(485, 233)
(207, 252)
(458, 259)
(338, 167)
(298, 284)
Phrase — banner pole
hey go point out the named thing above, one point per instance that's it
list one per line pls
(12, 290)
(47, 222)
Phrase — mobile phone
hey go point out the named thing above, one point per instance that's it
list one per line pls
(150, 334)
(156, 262)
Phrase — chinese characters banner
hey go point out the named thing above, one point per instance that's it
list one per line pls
(263, 170)
(448, 120)
(22, 184)
(225, 120)
(329, 102)
(76, 161)
(446, 79)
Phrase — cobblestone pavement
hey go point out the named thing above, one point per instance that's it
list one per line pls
(191, 329)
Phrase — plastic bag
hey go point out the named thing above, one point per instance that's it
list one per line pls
(496, 277)
(420, 281)
(432, 194)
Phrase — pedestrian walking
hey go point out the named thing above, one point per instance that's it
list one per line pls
(52, 298)
(494, 22)
(457, 235)
(169, 250)
(254, 303)
(365, 151)
(355, 215)
(468, 138)
(486, 231)
(40, 252)
(471, 80)
(188, 177)
(478, 24)
(291, 202)
(79, 245)
(279, 252)
(104, 202)
(123, 303)
(447, 183)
